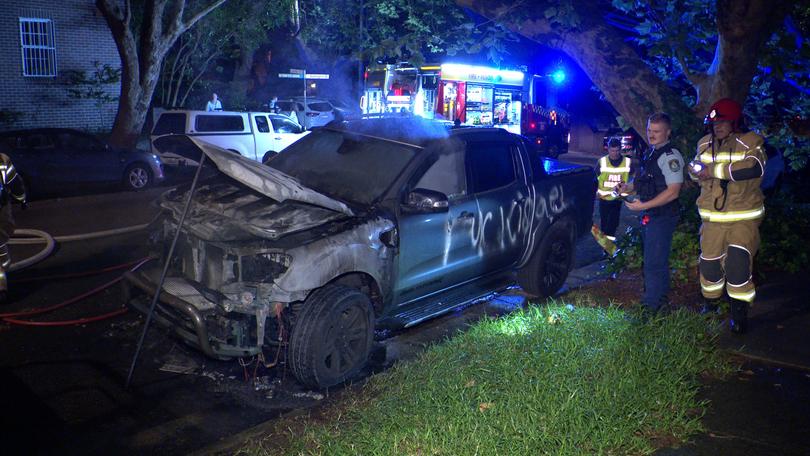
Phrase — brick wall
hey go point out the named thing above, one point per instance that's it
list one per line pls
(82, 37)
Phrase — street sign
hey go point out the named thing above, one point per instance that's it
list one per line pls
(297, 71)
(317, 76)
(291, 75)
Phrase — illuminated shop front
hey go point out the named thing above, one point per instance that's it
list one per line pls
(480, 96)
(473, 95)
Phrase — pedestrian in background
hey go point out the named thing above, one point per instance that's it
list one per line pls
(729, 166)
(213, 104)
(11, 189)
(657, 186)
(611, 170)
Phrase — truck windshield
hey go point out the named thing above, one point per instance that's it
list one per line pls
(353, 168)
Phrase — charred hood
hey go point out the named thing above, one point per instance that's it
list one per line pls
(257, 201)
(224, 210)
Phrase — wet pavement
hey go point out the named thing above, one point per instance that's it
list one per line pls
(764, 407)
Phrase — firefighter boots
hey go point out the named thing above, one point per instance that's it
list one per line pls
(711, 306)
(739, 317)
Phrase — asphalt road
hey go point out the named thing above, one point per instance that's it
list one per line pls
(64, 384)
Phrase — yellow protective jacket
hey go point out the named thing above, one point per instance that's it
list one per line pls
(609, 176)
(737, 163)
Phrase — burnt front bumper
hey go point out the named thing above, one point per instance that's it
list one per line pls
(192, 323)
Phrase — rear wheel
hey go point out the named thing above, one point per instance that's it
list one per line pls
(548, 268)
(332, 336)
(137, 177)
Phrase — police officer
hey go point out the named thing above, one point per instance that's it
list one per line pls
(611, 170)
(11, 189)
(729, 165)
(657, 185)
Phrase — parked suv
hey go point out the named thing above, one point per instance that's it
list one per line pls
(316, 112)
(255, 135)
(373, 223)
(53, 160)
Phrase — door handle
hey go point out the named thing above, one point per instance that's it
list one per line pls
(278, 137)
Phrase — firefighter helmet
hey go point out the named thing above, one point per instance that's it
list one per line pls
(724, 109)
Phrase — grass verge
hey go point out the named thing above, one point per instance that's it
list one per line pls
(551, 379)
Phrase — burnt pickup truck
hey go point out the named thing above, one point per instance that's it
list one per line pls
(370, 224)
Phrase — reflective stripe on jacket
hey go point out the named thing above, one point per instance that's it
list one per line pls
(741, 199)
(610, 176)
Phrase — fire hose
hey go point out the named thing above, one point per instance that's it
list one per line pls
(32, 236)
(11, 317)
(41, 237)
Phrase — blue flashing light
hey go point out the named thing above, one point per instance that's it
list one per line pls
(558, 76)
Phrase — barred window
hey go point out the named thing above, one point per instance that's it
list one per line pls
(38, 44)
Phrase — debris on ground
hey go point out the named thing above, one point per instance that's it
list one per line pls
(179, 363)
(309, 395)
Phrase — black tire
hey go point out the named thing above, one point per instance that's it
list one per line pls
(332, 336)
(268, 155)
(548, 268)
(137, 176)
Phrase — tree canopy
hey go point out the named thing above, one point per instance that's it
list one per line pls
(680, 57)
(644, 56)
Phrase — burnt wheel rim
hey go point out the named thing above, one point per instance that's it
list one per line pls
(346, 342)
(556, 264)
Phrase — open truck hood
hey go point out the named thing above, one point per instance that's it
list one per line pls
(266, 180)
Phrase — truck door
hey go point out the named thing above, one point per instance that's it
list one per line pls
(498, 183)
(286, 132)
(436, 251)
(264, 137)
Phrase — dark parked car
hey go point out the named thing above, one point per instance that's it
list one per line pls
(54, 160)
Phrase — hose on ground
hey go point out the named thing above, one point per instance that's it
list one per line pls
(40, 237)
(11, 317)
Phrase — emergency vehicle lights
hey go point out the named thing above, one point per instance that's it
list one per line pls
(459, 72)
(558, 76)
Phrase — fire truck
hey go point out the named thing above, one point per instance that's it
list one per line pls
(467, 95)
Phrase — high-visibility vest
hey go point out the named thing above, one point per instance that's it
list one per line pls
(610, 176)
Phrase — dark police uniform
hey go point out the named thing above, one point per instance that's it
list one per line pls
(659, 168)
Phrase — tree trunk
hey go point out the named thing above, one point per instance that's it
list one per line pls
(743, 28)
(142, 59)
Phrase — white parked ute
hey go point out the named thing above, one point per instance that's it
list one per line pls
(255, 135)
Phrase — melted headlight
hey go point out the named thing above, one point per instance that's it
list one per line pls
(264, 267)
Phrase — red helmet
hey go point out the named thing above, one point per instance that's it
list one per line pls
(725, 109)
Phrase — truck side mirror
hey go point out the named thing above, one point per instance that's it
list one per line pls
(425, 201)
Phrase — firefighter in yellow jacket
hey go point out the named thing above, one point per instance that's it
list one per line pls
(611, 170)
(11, 189)
(729, 165)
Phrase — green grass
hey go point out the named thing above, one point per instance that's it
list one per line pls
(592, 382)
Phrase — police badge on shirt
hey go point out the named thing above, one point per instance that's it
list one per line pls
(674, 165)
